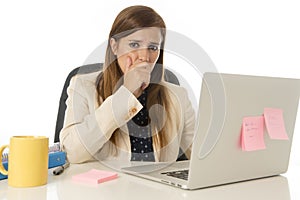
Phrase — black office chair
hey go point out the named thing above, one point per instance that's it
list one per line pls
(85, 69)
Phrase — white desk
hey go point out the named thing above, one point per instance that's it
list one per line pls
(131, 187)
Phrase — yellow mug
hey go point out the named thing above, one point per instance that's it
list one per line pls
(27, 161)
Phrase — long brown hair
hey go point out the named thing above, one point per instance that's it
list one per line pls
(128, 21)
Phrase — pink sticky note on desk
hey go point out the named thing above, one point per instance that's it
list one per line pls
(252, 135)
(275, 123)
(95, 176)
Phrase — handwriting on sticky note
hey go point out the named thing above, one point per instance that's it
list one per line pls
(252, 136)
(275, 123)
(95, 176)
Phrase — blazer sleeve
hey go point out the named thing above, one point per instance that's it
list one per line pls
(86, 128)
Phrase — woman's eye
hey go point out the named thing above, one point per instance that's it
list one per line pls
(134, 45)
(153, 48)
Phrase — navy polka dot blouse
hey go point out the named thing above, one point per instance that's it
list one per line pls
(140, 133)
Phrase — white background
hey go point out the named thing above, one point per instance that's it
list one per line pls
(42, 41)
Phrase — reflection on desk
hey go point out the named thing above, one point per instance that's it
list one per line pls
(131, 187)
(27, 193)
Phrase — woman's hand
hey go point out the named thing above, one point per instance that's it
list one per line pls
(137, 75)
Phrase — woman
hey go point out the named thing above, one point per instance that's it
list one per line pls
(128, 112)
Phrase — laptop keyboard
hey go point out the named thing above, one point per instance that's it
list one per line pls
(181, 174)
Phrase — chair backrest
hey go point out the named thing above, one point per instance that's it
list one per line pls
(85, 69)
(63, 97)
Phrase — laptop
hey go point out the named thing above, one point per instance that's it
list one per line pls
(217, 155)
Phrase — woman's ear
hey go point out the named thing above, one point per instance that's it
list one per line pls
(113, 45)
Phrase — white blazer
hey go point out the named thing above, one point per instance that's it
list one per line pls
(88, 126)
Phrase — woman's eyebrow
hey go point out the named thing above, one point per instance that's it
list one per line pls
(155, 43)
(140, 41)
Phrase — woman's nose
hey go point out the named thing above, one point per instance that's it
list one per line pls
(143, 55)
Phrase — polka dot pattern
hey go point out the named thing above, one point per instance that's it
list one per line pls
(140, 134)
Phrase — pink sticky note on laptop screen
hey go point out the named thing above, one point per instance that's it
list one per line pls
(275, 123)
(94, 176)
(252, 136)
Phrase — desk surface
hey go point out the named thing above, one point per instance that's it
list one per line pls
(130, 187)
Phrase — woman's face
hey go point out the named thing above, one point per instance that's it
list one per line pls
(140, 46)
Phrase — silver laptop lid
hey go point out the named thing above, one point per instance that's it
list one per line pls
(226, 99)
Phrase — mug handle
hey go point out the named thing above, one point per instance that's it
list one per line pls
(2, 169)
